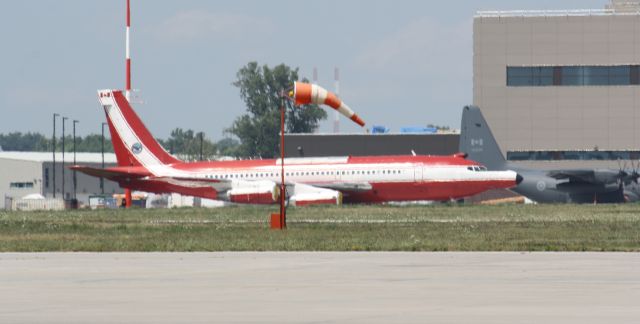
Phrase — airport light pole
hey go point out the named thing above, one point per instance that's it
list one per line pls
(75, 180)
(101, 178)
(64, 119)
(53, 150)
(201, 141)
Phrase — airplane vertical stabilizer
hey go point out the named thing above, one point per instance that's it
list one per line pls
(477, 140)
(132, 142)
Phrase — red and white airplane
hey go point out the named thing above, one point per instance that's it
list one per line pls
(145, 166)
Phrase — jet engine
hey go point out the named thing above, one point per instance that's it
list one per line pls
(252, 192)
(305, 195)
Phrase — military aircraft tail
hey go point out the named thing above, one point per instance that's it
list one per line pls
(477, 140)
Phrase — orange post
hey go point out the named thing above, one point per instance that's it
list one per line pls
(276, 221)
(279, 221)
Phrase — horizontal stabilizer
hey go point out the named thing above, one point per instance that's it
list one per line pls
(115, 173)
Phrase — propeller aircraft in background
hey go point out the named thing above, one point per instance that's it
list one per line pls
(547, 186)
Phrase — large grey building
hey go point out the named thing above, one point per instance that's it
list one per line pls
(26, 173)
(561, 86)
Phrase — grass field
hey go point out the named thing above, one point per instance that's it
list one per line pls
(347, 228)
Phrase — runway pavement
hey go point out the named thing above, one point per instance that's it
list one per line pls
(320, 287)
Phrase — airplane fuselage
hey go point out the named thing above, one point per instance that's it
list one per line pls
(360, 179)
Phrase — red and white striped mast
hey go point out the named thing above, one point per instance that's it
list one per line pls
(127, 88)
(128, 56)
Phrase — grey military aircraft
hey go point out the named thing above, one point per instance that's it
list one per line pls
(547, 186)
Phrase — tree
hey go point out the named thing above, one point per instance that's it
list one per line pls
(259, 129)
(186, 145)
(227, 147)
(36, 142)
(90, 143)
(18, 141)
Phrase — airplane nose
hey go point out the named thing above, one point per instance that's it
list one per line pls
(519, 179)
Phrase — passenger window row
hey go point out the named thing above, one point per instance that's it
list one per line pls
(300, 173)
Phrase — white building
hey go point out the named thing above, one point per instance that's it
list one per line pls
(25, 173)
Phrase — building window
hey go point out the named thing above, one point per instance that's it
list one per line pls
(46, 178)
(21, 185)
(535, 76)
(570, 155)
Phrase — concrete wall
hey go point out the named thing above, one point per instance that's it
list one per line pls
(557, 117)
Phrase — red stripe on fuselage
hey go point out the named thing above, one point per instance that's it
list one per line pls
(332, 201)
(435, 191)
(265, 198)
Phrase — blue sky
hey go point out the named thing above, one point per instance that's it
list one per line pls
(402, 62)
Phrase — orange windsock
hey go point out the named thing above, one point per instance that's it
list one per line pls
(305, 93)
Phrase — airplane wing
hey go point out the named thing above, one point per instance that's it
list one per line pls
(577, 175)
(591, 176)
(266, 191)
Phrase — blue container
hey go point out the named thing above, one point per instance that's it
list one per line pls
(379, 129)
(418, 130)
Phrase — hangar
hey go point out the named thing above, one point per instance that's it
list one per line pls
(33, 173)
(561, 88)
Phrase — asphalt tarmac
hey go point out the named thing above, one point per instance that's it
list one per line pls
(320, 287)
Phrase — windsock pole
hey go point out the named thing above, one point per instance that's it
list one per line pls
(279, 220)
(336, 114)
(127, 93)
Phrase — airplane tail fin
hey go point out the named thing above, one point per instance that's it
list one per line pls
(477, 140)
(132, 142)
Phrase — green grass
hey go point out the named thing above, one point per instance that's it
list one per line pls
(347, 228)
